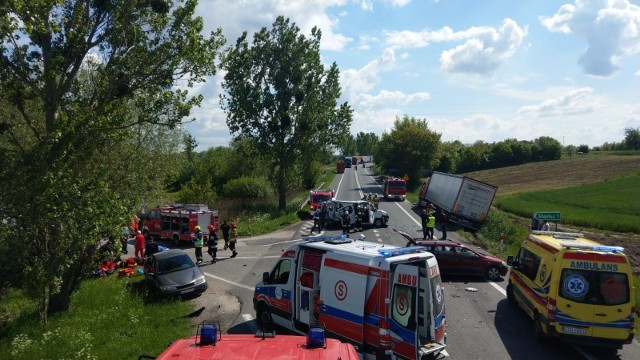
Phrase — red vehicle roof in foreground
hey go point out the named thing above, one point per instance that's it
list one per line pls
(252, 347)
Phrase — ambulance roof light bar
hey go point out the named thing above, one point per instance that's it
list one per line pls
(401, 251)
(558, 234)
(605, 248)
(326, 238)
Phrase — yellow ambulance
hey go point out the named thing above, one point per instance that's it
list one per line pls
(574, 289)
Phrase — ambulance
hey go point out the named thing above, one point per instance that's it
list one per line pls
(574, 289)
(385, 300)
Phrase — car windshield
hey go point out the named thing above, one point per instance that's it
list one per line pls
(320, 198)
(175, 263)
(397, 185)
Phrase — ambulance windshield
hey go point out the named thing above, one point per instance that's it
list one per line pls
(594, 287)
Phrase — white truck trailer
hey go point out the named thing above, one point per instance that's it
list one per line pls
(466, 200)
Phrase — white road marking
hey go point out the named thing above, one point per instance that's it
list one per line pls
(230, 282)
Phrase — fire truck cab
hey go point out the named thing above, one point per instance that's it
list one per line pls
(385, 300)
(176, 222)
(395, 188)
(318, 196)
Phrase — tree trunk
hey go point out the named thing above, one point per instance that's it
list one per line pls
(282, 188)
(44, 305)
(60, 302)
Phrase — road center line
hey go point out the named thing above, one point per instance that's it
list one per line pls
(230, 282)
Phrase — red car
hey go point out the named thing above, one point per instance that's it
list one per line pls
(455, 258)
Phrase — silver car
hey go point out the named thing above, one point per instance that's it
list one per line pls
(173, 273)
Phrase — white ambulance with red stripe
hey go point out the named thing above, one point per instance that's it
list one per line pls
(386, 300)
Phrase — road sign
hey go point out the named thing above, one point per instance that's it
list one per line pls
(547, 215)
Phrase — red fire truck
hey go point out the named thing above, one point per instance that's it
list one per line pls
(319, 196)
(176, 222)
(394, 188)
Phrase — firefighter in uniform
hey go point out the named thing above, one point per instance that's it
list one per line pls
(358, 225)
(376, 201)
(345, 222)
(212, 244)
(233, 233)
(198, 243)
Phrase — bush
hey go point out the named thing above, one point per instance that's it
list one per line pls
(248, 188)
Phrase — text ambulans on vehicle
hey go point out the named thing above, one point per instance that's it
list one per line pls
(574, 288)
(387, 301)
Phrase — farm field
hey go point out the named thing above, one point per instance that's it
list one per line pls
(596, 195)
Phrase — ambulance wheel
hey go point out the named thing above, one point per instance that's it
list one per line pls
(492, 273)
(176, 240)
(510, 296)
(264, 317)
(537, 328)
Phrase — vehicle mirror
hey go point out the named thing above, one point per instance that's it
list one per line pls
(510, 261)
(266, 278)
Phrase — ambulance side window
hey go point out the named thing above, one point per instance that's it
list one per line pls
(529, 263)
(280, 274)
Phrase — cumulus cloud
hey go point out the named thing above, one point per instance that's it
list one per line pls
(578, 101)
(611, 29)
(484, 49)
(364, 79)
(389, 98)
(232, 17)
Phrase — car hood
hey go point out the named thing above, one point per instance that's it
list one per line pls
(181, 277)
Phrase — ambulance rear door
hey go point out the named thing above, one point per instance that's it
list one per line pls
(594, 296)
(404, 310)
(343, 284)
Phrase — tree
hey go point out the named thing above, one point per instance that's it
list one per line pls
(409, 147)
(82, 83)
(366, 143)
(632, 138)
(546, 148)
(279, 94)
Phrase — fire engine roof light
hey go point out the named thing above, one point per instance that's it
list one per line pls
(605, 248)
(401, 251)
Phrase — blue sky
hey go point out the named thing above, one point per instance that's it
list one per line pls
(476, 70)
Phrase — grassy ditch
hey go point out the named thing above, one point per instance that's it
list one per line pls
(109, 318)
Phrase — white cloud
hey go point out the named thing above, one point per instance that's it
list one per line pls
(233, 18)
(486, 51)
(363, 80)
(611, 29)
(366, 5)
(578, 101)
(390, 98)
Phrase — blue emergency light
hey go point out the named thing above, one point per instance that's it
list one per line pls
(208, 334)
(613, 249)
(401, 251)
(326, 238)
(316, 338)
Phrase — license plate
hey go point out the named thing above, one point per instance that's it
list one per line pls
(574, 330)
(186, 291)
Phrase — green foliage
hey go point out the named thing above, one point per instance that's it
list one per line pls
(410, 146)
(499, 223)
(366, 143)
(609, 205)
(632, 138)
(89, 109)
(247, 188)
(109, 318)
(300, 109)
(195, 192)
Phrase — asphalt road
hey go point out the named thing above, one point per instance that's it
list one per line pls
(481, 322)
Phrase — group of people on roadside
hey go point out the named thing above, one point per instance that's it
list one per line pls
(429, 217)
(229, 234)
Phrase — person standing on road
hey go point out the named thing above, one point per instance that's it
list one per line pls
(139, 244)
(198, 243)
(225, 233)
(431, 223)
(233, 238)
(376, 201)
(358, 226)
(323, 216)
(443, 219)
(212, 244)
(345, 222)
(424, 218)
(316, 220)
(546, 226)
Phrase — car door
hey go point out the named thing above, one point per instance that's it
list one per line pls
(469, 262)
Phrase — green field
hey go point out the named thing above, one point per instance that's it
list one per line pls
(612, 205)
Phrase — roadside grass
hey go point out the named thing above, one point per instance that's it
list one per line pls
(111, 317)
(611, 205)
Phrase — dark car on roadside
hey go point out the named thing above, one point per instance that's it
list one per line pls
(455, 258)
(173, 273)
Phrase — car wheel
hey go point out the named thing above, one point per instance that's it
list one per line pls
(176, 240)
(265, 321)
(510, 295)
(377, 223)
(492, 273)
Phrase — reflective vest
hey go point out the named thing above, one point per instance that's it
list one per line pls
(431, 222)
(198, 242)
